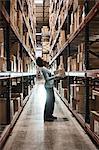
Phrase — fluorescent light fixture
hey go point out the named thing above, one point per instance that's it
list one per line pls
(38, 48)
(38, 33)
(38, 1)
(38, 53)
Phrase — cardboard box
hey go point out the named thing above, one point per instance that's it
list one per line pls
(16, 104)
(80, 103)
(14, 63)
(13, 12)
(1, 42)
(65, 93)
(96, 127)
(77, 93)
(69, 63)
(96, 103)
(3, 111)
(2, 49)
(94, 63)
(94, 122)
(63, 38)
(3, 66)
(64, 83)
(76, 3)
(74, 64)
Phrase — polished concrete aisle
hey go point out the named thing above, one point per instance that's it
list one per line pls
(31, 133)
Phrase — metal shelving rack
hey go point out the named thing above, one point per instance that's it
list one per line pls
(23, 80)
(84, 33)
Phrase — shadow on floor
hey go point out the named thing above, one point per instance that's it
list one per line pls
(61, 119)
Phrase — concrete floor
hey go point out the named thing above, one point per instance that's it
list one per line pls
(31, 133)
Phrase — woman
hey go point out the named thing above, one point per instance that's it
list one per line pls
(49, 84)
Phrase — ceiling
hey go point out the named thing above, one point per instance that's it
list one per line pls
(42, 18)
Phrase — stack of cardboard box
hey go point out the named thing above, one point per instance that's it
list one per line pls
(80, 56)
(60, 71)
(2, 54)
(20, 23)
(94, 122)
(13, 12)
(3, 111)
(77, 97)
(62, 38)
(45, 43)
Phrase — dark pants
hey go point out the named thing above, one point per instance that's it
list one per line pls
(49, 105)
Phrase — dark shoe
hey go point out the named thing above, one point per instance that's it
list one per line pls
(53, 117)
(48, 119)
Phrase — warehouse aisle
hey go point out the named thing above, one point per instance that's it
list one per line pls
(31, 133)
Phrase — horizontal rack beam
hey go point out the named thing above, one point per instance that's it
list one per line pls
(7, 75)
(87, 73)
(93, 73)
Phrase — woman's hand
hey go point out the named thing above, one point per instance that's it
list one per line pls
(57, 76)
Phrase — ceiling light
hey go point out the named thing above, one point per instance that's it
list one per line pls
(38, 1)
(38, 33)
(38, 53)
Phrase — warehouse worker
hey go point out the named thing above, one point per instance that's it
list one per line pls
(49, 83)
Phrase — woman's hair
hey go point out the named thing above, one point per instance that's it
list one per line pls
(39, 62)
